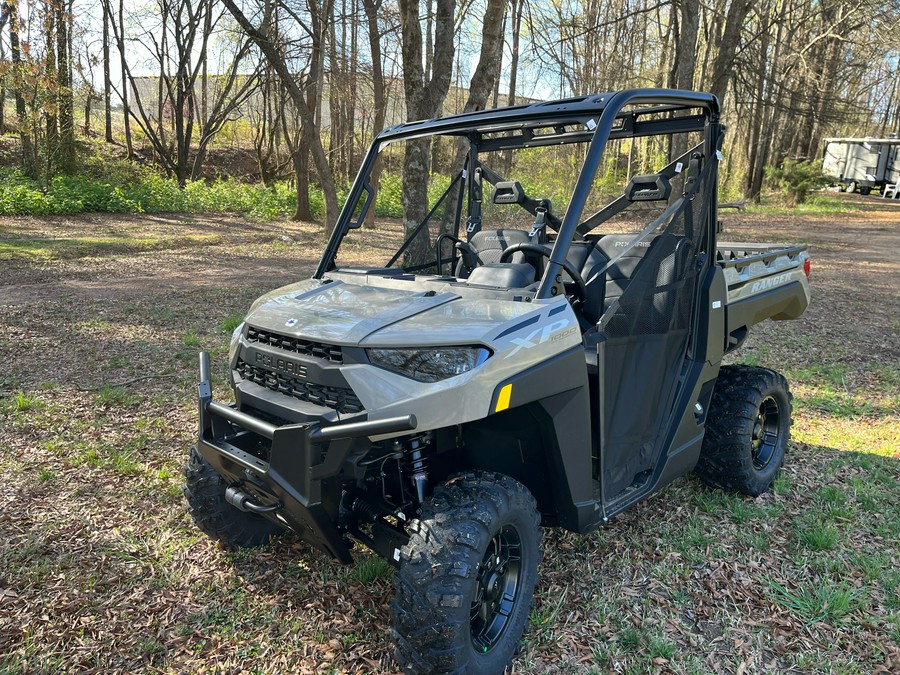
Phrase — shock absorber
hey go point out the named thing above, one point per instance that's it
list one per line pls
(417, 464)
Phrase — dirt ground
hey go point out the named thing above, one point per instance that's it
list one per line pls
(101, 570)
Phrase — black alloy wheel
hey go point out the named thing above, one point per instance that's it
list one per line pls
(766, 428)
(496, 589)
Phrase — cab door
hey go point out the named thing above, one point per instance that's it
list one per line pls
(644, 338)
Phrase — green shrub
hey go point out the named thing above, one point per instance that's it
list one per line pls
(21, 196)
(388, 203)
(129, 188)
(796, 179)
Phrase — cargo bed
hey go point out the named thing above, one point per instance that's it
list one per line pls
(764, 281)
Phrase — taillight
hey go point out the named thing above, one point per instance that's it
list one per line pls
(806, 267)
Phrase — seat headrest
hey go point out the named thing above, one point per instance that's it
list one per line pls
(497, 239)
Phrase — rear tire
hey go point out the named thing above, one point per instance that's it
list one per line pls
(204, 490)
(747, 430)
(467, 577)
(865, 190)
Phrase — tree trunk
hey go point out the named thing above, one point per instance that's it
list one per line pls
(685, 62)
(204, 72)
(88, 99)
(722, 66)
(129, 147)
(424, 98)
(4, 18)
(754, 134)
(161, 86)
(335, 135)
(300, 160)
(516, 27)
(29, 163)
(371, 8)
(107, 83)
(486, 74)
(51, 117)
(66, 103)
(352, 93)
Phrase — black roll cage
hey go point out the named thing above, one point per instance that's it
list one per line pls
(601, 115)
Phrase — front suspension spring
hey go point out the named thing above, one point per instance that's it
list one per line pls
(416, 460)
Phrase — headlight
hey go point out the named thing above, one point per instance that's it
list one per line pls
(429, 365)
(235, 341)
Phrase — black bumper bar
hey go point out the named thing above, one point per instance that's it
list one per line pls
(300, 456)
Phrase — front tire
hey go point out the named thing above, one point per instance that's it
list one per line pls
(747, 430)
(204, 490)
(467, 577)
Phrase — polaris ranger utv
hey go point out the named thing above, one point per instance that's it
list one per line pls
(540, 347)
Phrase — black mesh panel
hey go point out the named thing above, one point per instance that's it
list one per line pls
(643, 344)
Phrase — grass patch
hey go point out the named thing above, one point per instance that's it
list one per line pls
(870, 435)
(546, 613)
(838, 404)
(782, 484)
(190, 339)
(113, 395)
(660, 648)
(371, 568)
(832, 373)
(231, 322)
(817, 536)
(23, 402)
(118, 361)
(817, 600)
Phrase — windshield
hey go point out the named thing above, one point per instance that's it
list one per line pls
(428, 200)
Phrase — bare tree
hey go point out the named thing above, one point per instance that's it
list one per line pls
(231, 90)
(270, 48)
(107, 80)
(179, 43)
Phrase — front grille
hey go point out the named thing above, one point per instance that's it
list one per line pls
(319, 350)
(336, 398)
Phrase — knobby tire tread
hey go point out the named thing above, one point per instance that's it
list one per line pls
(725, 458)
(430, 611)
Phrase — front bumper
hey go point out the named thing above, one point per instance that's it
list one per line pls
(299, 458)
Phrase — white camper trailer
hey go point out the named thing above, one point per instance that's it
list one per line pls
(862, 163)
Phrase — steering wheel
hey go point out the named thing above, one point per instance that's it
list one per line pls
(580, 289)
